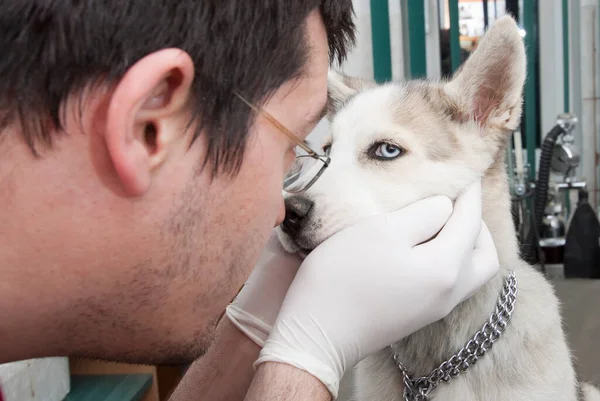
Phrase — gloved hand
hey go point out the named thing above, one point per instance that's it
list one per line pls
(372, 284)
(255, 308)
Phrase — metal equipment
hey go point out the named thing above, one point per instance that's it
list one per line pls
(546, 237)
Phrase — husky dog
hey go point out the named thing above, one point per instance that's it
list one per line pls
(394, 144)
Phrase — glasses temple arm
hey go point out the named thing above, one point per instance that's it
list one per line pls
(277, 124)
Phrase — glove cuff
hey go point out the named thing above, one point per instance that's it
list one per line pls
(274, 351)
(257, 330)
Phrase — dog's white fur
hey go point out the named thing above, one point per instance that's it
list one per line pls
(453, 133)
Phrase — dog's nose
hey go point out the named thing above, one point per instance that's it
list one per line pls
(296, 209)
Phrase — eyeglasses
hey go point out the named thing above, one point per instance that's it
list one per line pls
(307, 167)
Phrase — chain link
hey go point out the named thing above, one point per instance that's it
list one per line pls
(418, 389)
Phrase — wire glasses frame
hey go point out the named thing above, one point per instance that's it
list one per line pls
(307, 167)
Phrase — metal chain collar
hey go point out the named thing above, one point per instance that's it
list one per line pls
(418, 389)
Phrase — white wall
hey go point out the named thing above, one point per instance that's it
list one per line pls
(551, 64)
(432, 39)
(45, 379)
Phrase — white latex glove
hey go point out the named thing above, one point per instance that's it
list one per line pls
(372, 284)
(255, 308)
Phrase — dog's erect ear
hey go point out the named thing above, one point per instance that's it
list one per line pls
(341, 88)
(488, 88)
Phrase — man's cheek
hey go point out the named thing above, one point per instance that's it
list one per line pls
(281, 214)
(273, 198)
(289, 160)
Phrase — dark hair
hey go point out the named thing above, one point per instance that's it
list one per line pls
(52, 49)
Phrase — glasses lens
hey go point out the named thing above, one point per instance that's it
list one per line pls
(303, 172)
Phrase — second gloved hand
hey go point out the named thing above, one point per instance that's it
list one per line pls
(373, 284)
(255, 308)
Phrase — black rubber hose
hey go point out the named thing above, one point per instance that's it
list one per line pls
(541, 190)
(540, 197)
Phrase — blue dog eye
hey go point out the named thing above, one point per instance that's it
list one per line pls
(388, 151)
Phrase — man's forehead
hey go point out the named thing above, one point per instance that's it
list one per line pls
(317, 63)
(308, 91)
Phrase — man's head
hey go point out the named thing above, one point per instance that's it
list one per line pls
(137, 189)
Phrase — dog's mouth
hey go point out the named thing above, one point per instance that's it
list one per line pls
(296, 240)
(304, 252)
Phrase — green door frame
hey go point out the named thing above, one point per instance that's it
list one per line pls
(454, 35)
(530, 121)
(413, 34)
(380, 30)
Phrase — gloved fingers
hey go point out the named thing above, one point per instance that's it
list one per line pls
(484, 264)
(422, 220)
(273, 241)
(273, 275)
(268, 282)
(460, 233)
(470, 199)
(485, 240)
(275, 258)
(257, 330)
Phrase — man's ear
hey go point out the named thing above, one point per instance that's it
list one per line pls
(342, 88)
(145, 116)
(488, 88)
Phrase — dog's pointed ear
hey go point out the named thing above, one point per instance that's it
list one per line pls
(341, 88)
(488, 87)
